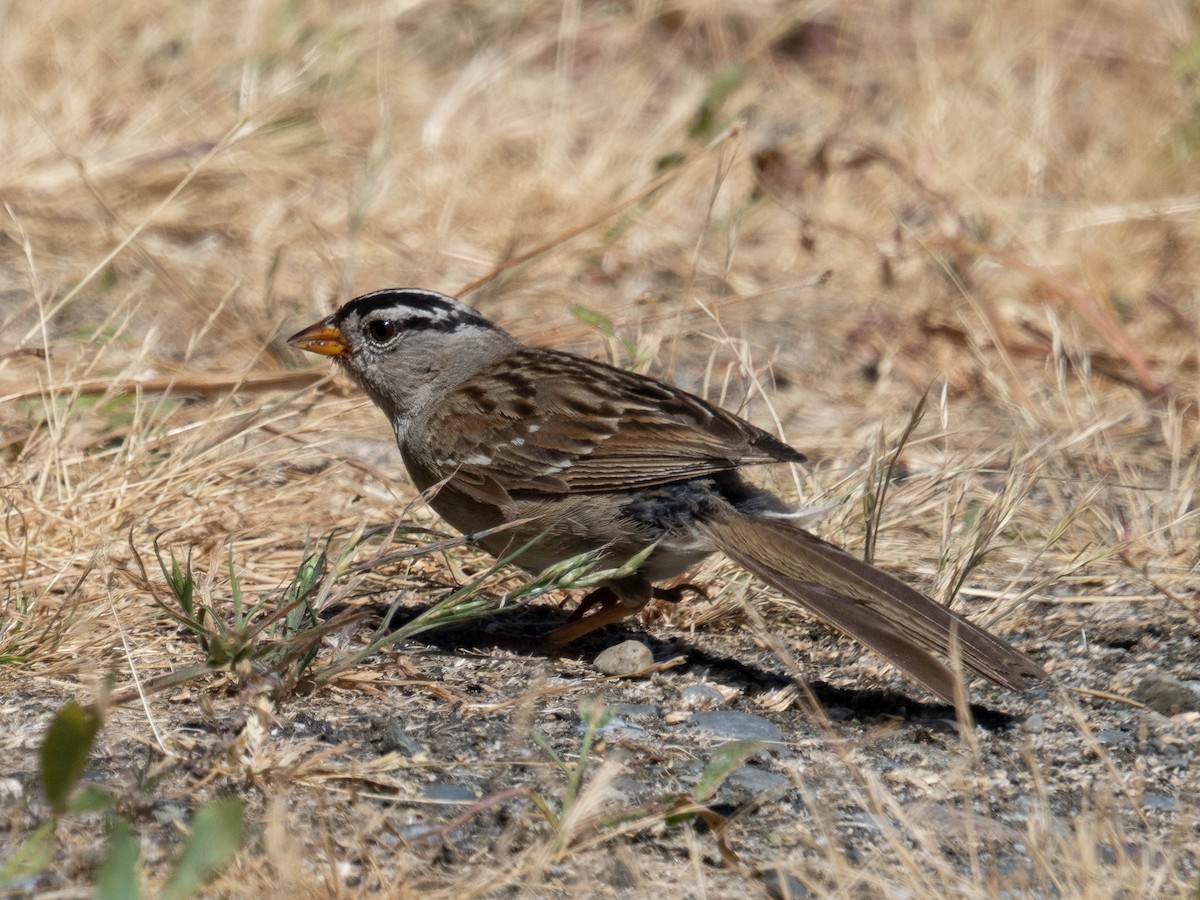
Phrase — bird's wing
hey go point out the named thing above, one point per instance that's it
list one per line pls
(550, 422)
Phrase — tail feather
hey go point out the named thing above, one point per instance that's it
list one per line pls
(898, 622)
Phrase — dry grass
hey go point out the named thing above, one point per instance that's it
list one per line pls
(852, 204)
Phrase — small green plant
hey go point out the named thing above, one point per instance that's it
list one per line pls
(595, 716)
(25, 632)
(14, 630)
(708, 121)
(230, 642)
(726, 759)
(216, 832)
(672, 809)
(623, 348)
(278, 636)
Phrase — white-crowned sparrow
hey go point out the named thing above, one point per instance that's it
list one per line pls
(599, 458)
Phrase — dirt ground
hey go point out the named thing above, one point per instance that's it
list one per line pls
(814, 216)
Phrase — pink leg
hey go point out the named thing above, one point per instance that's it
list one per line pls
(616, 602)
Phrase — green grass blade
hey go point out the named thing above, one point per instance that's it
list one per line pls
(31, 857)
(64, 752)
(216, 836)
(117, 877)
(726, 760)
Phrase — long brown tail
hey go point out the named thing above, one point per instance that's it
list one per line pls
(899, 623)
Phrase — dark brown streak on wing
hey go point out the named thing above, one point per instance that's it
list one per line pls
(567, 437)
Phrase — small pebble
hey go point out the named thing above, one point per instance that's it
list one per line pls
(167, 813)
(420, 833)
(701, 696)
(783, 885)
(394, 739)
(1115, 738)
(620, 876)
(617, 729)
(629, 791)
(1164, 802)
(737, 726)
(445, 792)
(750, 783)
(624, 659)
(633, 710)
(1035, 724)
(1166, 695)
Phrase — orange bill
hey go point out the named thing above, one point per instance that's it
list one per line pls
(323, 338)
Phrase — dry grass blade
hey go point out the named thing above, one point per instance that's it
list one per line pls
(882, 476)
(189, 384)
(808, 213)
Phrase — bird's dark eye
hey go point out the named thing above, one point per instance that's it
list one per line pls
(381, 330)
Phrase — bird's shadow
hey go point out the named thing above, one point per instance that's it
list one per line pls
(525, 630)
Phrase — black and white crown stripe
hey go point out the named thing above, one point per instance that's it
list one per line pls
(412, 308)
